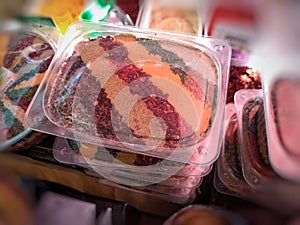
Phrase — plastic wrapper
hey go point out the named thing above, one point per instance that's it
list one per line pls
(136, 90)
(26, 51)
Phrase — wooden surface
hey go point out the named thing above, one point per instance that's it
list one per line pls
(79, 181)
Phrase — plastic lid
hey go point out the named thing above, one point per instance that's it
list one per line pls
(136, 90)
(144, 170)
(254, 147)
(86, 155)
(24, 57)
(229, 163)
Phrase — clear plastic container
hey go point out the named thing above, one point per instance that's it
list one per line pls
(254, 148)
(141, 174)
(165, 187)
(242, 75)
(282, 106)
(85, 155)
(279, 62)
(229, 168)
(143, 91)
(26, 50)
(255, 154)
(184, 17)
(146, 193)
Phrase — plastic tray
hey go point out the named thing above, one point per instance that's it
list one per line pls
(67, 151)
(134, 122)
(26, 51)
(229, 168)
(179, 199)
(279, 62)
(254, 148)
(171, 186)
(170, 16)
(142, 175)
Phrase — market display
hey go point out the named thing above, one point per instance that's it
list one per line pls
(190, 107)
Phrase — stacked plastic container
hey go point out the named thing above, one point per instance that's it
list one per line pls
(256, 162)
(140, 107)
(26, 51)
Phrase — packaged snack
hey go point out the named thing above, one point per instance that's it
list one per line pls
(229, 167)
(136, 90)
(254, 148)
(129, 168)
(173, 16)
(25, 54)
(279, 60)
(86, 155)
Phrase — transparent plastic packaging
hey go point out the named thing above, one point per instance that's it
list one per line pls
(26, 50)
(254, 148)
(126, 174)
(184, 17)
(229, 168)
(179, 199)
(268, 187)
(242, 75)
(85, 155)
(279, 60)
(123, 82)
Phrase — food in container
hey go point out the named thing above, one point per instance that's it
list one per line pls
(241, 74)
(128, 168)
(83, 154)
(254, 148)
(25, 54)
(283, 123)
(136, 90)
(229, 163)
(278, 59)
(268, 187)
(286, 108)
(171, 16)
